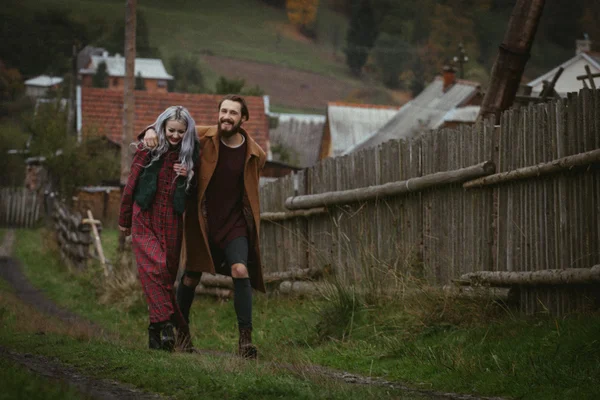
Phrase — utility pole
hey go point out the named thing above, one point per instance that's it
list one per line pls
(512, 58)
(129, 82)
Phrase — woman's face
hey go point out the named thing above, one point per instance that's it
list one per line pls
(175, 130)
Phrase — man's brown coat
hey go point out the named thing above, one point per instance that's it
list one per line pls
(196, 255)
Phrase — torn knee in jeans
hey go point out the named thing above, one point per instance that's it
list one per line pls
(239, 271)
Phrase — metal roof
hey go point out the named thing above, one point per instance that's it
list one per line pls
(351, 124)
(424, 112)
(44, 81)
(462, 114)
(301, 137)
(150, 68)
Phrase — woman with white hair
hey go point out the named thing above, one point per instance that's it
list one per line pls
(152, 206)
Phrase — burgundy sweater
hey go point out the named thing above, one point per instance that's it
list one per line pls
(224, 196)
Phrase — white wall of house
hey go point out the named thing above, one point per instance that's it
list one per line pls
(568, 80)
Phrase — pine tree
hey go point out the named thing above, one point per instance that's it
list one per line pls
(361, 36)
(100, 78)
(139, 82)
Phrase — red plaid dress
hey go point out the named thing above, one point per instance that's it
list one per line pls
(156, 237)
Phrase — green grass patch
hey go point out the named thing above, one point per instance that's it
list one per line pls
(428, 340)
(19, 383)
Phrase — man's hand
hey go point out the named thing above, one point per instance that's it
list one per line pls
(150, 138)
(125, 231)
(180, 169)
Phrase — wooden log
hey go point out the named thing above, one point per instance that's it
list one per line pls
(503, 294)
(294, 274)
(535, 171)
(214, 291)
(281, 216)
(300, 288)
(221, 281)
(571, 276)
(391, 188)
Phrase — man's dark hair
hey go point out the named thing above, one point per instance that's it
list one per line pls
(237, 99)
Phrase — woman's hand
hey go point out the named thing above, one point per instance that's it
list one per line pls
(125, 231)
(150, 138)
(180, 169)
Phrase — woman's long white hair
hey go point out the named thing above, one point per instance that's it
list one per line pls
(188, 141)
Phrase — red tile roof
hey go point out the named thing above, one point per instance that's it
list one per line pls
(102, 112)
(362, 105)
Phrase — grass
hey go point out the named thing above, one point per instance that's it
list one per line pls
(20, 383)
(427, 339)
(178, 375)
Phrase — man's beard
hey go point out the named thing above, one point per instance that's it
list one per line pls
(234, 129)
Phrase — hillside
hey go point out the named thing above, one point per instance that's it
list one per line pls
(234, 38)
(230, 31)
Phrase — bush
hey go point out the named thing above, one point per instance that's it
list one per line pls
(70, 164)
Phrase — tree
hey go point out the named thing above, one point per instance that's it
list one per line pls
(115, 42)
(236, 86)
(39, 42)
(275, 3)
(139, 82)
(100, 78)
(187, 75)
(361, 36)
(393, 55)
(11, 83)
(229, 86)
(302, 14)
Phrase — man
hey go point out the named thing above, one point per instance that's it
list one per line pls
(221, 225)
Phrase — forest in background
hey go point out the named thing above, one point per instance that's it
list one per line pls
(401, 44)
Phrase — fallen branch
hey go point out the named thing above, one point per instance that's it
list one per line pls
(571, 276)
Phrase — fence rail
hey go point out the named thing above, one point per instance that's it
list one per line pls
(541, 222)
(19, 207)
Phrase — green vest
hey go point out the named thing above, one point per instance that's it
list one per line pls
(145, 189)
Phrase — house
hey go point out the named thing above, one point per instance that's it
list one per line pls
(296, 139)
(40, 85)
(349, 124)
(100, 112)
(572, 68)
(151, 70)
(446, 101)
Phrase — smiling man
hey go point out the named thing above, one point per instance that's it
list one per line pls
(221, 228)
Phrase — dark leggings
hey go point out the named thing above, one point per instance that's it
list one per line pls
(235, 252)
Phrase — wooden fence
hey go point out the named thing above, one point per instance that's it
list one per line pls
(19, 207)
(74, 235)
(542, 221)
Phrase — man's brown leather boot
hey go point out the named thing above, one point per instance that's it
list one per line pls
(245, 347)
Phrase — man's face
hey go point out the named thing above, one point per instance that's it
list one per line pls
(175, 130)
(230, 118)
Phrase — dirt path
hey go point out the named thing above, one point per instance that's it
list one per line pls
(101, 389)
(10, 270)
(54, 370)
